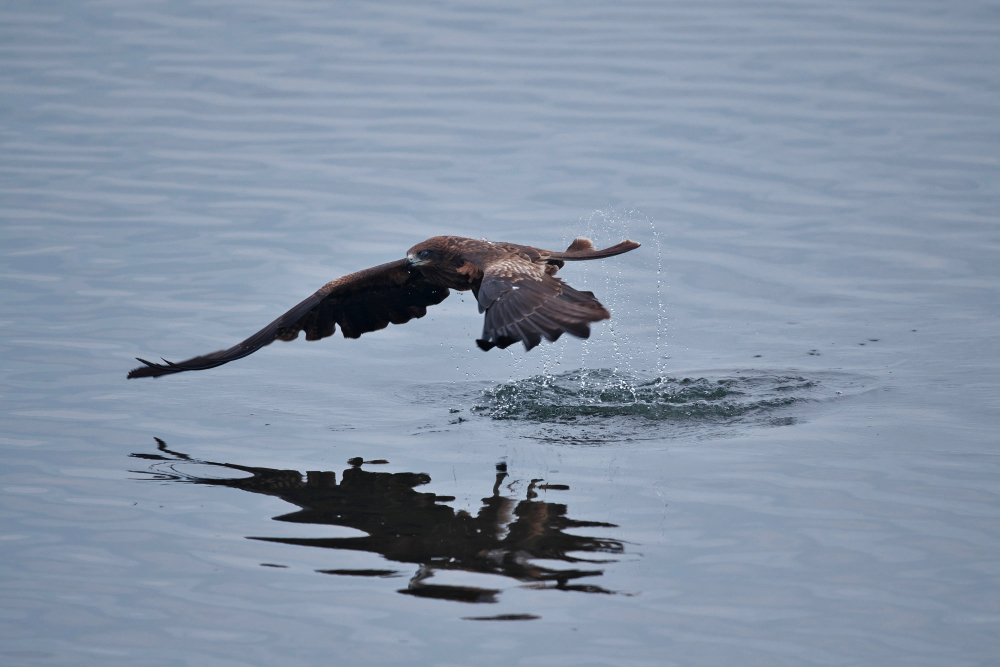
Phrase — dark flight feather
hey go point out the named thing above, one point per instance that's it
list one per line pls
(360, 302)
(515, 286)
(524, 303)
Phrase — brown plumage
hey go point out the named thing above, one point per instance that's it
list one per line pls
(515, 286)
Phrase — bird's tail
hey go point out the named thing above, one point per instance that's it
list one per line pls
(581, 249)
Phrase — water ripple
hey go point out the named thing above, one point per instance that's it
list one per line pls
(632, 403)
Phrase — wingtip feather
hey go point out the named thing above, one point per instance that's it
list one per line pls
(149, 370)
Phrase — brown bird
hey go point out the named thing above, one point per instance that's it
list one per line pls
(515, 285)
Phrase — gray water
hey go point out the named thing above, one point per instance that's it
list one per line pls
(782, 449)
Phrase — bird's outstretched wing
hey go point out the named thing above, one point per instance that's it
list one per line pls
(524, 303)
(360, 302)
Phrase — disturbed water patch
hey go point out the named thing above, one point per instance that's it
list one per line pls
(627, 405)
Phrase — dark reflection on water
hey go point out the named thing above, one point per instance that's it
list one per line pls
(407, 526)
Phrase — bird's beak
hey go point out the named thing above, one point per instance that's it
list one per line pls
(409, 262)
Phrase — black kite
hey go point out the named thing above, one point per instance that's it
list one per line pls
(515, 285)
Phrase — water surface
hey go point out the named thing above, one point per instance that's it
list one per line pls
(782, 449)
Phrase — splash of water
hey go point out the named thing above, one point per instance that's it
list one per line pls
(596, 394)
(605, 227)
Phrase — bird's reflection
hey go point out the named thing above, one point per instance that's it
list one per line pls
(505, 536)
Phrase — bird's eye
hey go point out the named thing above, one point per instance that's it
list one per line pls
(424, 254)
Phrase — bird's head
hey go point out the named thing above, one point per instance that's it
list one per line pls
(433, 251)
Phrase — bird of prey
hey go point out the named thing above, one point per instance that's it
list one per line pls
(515, 285)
